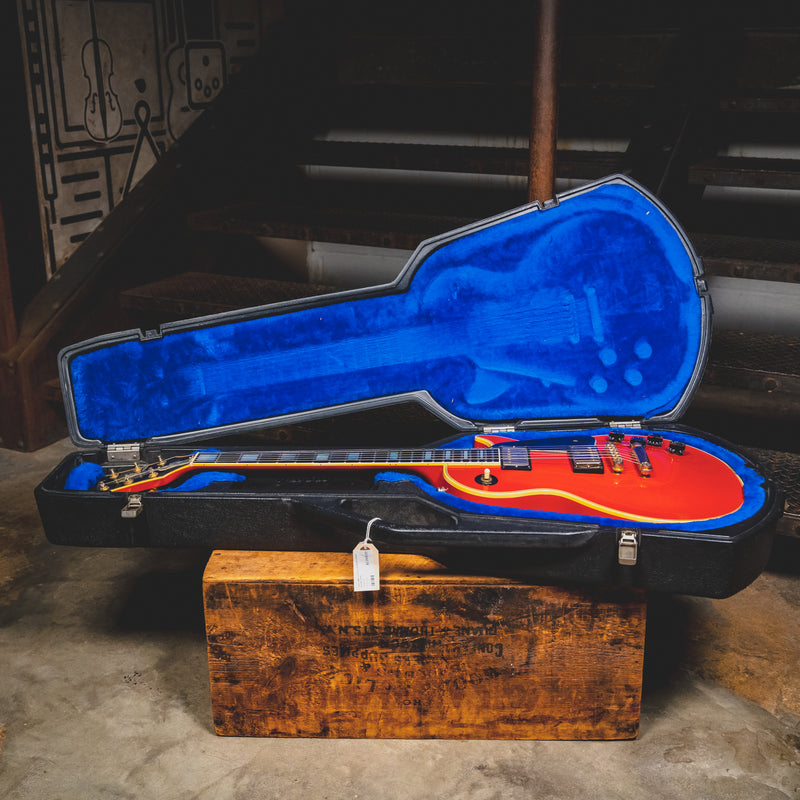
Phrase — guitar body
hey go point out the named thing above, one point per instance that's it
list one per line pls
(679, 489)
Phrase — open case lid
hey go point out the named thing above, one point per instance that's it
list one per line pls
(590, 309)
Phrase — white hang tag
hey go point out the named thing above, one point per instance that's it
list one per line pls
(366, 566)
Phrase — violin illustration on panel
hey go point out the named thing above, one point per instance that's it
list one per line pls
(101, 113)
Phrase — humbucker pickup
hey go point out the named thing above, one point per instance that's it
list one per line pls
(585, 458)
(515, 458)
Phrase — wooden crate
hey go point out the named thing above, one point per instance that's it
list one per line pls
(293, 651)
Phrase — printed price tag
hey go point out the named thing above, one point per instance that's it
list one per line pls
(366, 566)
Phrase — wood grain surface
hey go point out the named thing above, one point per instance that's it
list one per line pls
(293, 651)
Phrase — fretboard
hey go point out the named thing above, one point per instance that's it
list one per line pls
(480, 455)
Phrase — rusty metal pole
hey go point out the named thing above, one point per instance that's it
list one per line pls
(544, 110)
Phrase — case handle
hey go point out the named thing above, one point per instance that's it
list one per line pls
(475, 532)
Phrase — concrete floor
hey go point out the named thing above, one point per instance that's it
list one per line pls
(104, 693)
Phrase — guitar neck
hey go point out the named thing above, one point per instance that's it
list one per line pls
(164, 471)
(348, 457)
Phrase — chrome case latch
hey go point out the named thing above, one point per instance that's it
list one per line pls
(628, 547)
(133, 507)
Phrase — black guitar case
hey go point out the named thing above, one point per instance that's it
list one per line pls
(556, 326)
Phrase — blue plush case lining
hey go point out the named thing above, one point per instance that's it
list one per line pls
(586, 310)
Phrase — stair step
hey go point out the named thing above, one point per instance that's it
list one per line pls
(193, 294)
(753, 374)
(778, 102)
(393, 210)
(749, 257)
(370, 229)
(753, 173)
(456, 158)
(585, 111)
(784, 469)
(763, 362)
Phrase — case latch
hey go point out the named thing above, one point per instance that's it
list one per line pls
(628, 548)
(133, 507)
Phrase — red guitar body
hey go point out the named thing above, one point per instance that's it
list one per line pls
(690, 487)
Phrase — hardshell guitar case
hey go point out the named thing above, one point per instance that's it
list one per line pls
(561, 344)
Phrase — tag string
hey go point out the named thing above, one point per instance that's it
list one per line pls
(367, 539)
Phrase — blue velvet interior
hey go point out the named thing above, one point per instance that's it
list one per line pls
(588, 309)
(753, 487)
(84, 477)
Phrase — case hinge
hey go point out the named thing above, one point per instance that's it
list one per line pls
(149, 336)
(499, 429)
(628, 547)
(626, 424)
(133, 507)
(124, 452)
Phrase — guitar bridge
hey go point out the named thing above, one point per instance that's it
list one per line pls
(586, 458)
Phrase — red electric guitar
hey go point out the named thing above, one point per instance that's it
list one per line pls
(637, 478)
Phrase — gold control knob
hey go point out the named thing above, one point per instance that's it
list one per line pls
(486, 478)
